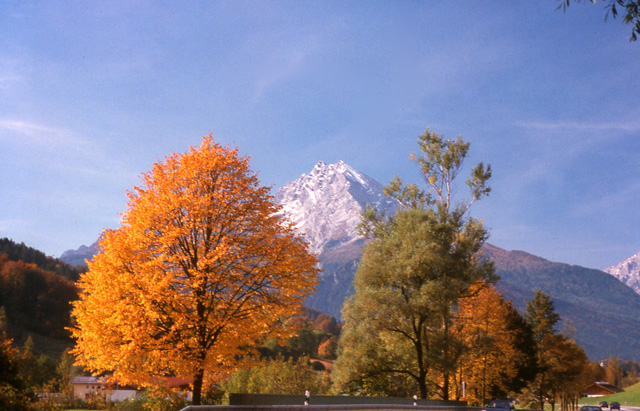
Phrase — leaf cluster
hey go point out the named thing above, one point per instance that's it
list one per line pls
(630, 9)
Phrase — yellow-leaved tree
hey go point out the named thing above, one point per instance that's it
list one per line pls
(203, 264)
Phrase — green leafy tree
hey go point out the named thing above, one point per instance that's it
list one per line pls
(65, 372)
(563, 367)
(398, 336)
(629, 9)
(527, 364)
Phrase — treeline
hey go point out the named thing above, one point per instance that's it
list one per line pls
(502, 352)
(36, 292)
(290, 366)
(30, 255)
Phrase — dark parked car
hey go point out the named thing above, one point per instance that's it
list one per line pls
(615, 405)
(604, 404)
(499, 405)
(590, 408)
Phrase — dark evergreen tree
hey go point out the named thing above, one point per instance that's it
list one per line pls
(542, 318)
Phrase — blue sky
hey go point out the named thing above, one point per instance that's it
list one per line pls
(93, 93)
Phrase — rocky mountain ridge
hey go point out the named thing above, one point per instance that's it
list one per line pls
(628, 271)
(326, 204)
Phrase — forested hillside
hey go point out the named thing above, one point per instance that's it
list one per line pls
(26, 254)
(36, 292)
(602, 312)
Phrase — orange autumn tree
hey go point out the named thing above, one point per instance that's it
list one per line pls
(203, 265)
(492, 357)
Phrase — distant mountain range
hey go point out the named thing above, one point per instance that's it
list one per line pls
(325, 205)
(79, 256)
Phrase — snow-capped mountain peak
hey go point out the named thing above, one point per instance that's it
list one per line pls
(628, 272)
(326, 204)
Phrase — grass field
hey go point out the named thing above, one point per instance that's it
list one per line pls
(630, 396)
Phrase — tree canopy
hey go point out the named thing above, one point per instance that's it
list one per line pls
(563, 367)
(202, 266)
(499, 356)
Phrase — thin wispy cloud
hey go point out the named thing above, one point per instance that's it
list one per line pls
(7, 79)
(631, 126)
(605, 202)
(13, 224)
(285, 69)
(38, 134)
(62, 149)
(289, 53)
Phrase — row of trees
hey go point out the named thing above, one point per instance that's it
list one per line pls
(425, 317)
(29, 255)
(502, 354)
(420, 263)
(206, 275)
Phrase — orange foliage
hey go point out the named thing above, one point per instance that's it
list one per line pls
(490, 359)
(328, 348)
(327, 324)
(203, 264)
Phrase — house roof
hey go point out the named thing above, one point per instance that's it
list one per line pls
(605, 386)
(88, 380)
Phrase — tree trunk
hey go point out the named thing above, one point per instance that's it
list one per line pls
(197, 387)
(445, 387)
(422, 385)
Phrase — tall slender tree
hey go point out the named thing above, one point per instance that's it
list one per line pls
(203, 264)
(398, 333)
(542, 317)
